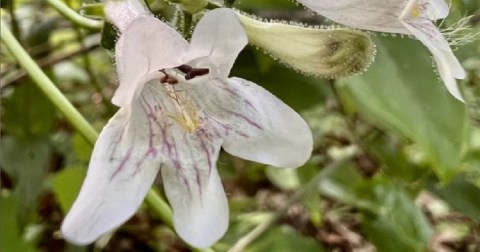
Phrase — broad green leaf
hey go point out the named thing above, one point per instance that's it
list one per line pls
(462, 196)
(401, 91)
(67, 184)
(28, 113)
(27, 163)
(11, 238)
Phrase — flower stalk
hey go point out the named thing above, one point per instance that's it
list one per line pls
(73, 16)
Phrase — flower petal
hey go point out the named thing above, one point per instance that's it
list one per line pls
(220, 36)
(256, 124)
(146, 46)
(429, 9)
(375, 15)
(122, 13)
(448, 65)
(122, 169)
(192, 184)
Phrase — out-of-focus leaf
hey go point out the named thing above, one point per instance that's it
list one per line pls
(461, 195)
(344, 184)
(401, 218)
(67, 184)
(26, 161)
(27, 112)
(81, 147)
(284, 239)
(10, 235)
(286, 179)
(109, 36)
(39, 35)
(387, 208)
(401, 91)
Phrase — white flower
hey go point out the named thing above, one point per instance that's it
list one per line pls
(177, 109)
(412, 17)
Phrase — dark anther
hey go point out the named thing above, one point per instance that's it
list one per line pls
(184, 69)
(163, 79)
(167, 78)
(190, 75)
(200, 71)
(170, 80)
(196, 72)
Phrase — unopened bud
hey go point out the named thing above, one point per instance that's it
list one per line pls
(327, 53)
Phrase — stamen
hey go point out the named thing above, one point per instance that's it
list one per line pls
(196, 72)
(184, 68)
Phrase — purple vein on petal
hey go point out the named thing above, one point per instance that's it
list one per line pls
(245, 118)
(123, 163)
(116, 142)
(233, 92)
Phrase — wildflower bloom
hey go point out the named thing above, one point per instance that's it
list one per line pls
(411, 17)
(177, 109)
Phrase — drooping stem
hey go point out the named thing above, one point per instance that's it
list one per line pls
(243, 242)
(73, 16)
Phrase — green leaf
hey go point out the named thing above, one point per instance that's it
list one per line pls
(81, 147)
(27, 163)
(28, 113)
(286, 179)
(401, 91)
(67, 184)
(11, 237)
(284, 239)
(462, 196)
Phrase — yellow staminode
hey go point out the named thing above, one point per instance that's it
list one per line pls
(188, 119)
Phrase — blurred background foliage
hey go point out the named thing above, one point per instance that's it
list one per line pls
(413, 183)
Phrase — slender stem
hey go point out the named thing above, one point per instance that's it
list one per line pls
(47, 86)
(243, 242)
(73, 16)
(156, 203)
(48, 61)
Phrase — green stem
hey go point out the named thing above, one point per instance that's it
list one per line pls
(74, 16)
(153, 199)
(155, 202)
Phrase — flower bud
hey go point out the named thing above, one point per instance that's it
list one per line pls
(327, 53)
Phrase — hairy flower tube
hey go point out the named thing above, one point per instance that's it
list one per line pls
(411, 17)
(177, 109)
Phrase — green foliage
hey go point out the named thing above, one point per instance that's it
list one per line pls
(401, 92)
(66, 185)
